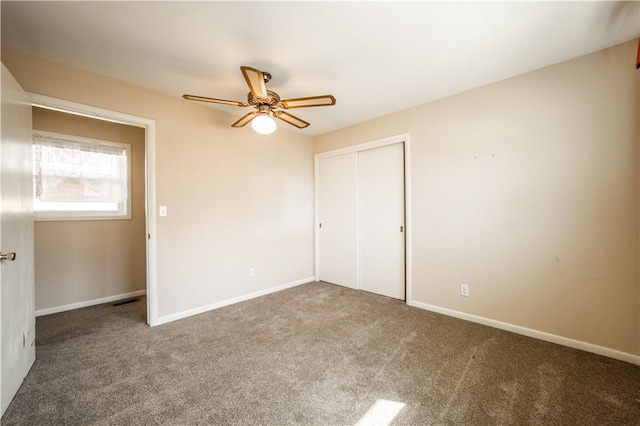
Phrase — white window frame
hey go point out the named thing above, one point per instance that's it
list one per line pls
(71, 215)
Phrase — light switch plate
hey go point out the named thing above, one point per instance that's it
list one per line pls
(163, 211)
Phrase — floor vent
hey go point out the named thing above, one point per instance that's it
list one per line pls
(125, 301)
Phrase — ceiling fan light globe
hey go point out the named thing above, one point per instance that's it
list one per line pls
(263, 124)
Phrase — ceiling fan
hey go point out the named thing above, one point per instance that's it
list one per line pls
(267, 103)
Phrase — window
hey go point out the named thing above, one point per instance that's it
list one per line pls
(77, 178)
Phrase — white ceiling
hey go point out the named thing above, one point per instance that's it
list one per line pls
(374, 57)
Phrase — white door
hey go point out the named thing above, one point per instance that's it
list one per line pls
(381, 247)
(337, 214)
(17, 318)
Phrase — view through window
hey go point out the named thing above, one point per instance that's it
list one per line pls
(78, 178)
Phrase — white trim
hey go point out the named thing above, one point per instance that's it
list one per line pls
(316, 221)
(150, 157)
(408, 229)
(536, 334)
(358, 223)
(221, 304)
(152, 240)
(87, 303)
(403, 138)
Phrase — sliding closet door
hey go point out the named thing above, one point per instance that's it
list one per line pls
(381, 220)
(337, 213)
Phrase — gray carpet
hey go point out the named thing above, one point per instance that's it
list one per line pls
(316, 354)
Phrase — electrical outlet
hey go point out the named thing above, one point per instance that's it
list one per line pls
(464, 290)
(252, 273)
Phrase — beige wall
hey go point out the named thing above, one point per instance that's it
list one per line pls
(80, 261)
(527, 190)
(235, 199)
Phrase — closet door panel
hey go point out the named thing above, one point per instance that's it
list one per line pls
(337, 211)
(381, 245)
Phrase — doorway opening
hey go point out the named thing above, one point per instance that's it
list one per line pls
(149, 202)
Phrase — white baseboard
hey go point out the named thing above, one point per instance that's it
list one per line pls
(541, 335)
(79, 305)
(206, 308)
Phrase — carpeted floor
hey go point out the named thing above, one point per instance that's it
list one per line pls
(316, 354)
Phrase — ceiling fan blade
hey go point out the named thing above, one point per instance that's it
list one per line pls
(255, 81)
(214, 100)
(312, 101)
(245, 119)
(291, 119)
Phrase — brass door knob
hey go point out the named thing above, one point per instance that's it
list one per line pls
(8, 256)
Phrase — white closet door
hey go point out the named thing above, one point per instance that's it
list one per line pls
(337, 211)
(381, 220)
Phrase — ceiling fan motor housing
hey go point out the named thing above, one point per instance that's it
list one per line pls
(273, 100)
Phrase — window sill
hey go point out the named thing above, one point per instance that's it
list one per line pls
(81, 216)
